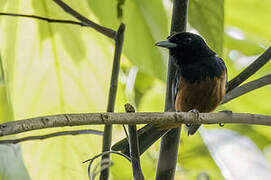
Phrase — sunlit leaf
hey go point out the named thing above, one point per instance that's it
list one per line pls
(153, 99)
(57, 68)
(251, 17)
(52, 72)
(207, 17)
(145, 26)
(11, 163)
(6, 110)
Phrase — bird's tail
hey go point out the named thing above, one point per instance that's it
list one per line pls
(147, 135)
(192, 129)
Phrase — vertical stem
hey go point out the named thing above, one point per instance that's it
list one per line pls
(134, 148)
(107, 137)
(170, 142)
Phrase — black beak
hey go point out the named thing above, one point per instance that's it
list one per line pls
(166, 44)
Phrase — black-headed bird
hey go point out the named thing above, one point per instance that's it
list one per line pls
(199, 85)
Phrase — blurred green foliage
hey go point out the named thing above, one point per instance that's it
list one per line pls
(207, 17)
(57, 68)
(6, 113)
(11, 162)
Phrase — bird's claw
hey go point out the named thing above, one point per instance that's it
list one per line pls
(196, 112)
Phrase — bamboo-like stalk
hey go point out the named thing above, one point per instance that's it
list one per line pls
(170, 142)
(107, 138)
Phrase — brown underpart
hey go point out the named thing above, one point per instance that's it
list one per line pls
(203, 96)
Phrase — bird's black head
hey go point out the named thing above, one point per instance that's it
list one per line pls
(186, 48)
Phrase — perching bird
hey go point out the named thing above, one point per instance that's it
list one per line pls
(199, 84)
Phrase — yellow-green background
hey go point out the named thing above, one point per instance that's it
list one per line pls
(60, 68)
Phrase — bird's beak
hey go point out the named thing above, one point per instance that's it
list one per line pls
(166, 44)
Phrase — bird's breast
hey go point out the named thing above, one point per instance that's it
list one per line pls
(204, 95)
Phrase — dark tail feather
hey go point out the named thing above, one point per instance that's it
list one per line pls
(192, 129)
(147, 135)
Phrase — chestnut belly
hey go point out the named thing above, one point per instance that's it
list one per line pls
(204, 96)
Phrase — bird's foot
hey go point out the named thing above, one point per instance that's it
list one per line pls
(196, 112)
(192, 128)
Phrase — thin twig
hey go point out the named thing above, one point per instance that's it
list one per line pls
(250, 70)
(104, 30)
(134, 148)
(91, 160)
(125, 131)
(15, 127)
(51, 135)
(248, 87)
(170, 142)
(107, 165)
(49, 20)
(107, 152)
(107, 138)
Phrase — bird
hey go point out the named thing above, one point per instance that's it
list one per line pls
(199, 85)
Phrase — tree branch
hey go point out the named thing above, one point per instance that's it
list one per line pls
(107, 138)
(62, 120)
(104, 30)
(250, 70)
(49, 20)
(246, 88)
(55, 134)
(170, 141)
(134, 147)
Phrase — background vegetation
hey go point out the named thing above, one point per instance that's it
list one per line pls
(55, 68)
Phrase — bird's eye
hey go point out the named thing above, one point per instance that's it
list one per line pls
(187, 40)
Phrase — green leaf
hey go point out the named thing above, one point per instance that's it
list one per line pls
(57, 68)
(6, 110)
(207, 17)
(153, 99)
(252, 17)
(145, 26)
(53, 69)
(11, 163)
(195, 158)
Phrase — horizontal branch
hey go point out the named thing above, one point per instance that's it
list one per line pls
(49, 20)
(104, 30)
(246, 88)
(51, 135)
(15, 127)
